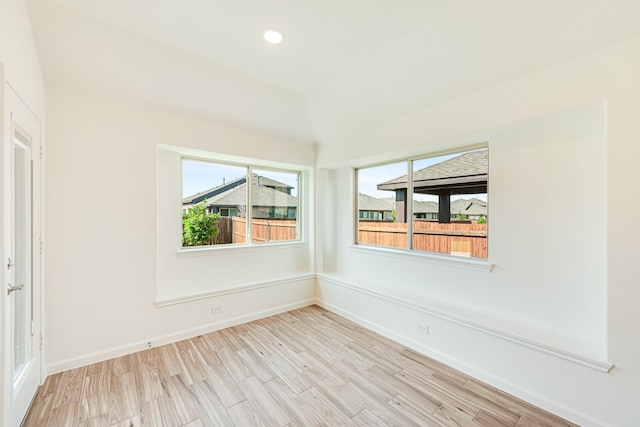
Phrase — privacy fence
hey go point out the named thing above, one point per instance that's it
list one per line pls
(458, 238)
(234, 230)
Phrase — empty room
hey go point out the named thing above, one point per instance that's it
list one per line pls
(305, 213)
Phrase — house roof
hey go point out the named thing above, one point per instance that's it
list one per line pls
(196, 198)
(219, 189)
(425, 207)
(471, 206)
(466, 173)
(261, 196)
(369, 203)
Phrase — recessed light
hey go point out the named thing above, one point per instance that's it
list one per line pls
(273, 36)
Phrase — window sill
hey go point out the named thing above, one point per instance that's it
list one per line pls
(445, 260)
(230, 249)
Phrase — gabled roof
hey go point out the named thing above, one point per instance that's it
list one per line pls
(465, 173)
(261, 196)
(469, 207)
(210, 192)
(425, 207)
(369, 203)
(219, 189)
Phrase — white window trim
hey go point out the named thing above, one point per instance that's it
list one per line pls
(195, 251)
(250, 165)
(423, 256)
(408, 252)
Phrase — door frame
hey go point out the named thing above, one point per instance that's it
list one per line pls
(13, 111)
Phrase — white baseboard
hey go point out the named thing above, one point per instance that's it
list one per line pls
(575, 350)
(500, 383)
(533, 398)
(171, 338)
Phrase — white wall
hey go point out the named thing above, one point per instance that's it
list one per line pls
(19, 55)
(196, 272)
(563, 137)
(102, 231)
(109, 61)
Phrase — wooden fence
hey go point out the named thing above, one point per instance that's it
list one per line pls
(458, 238)
(225, 230)
(463, 238)
(264, 230)
(234, 230)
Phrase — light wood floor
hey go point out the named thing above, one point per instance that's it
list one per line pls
(308, 367)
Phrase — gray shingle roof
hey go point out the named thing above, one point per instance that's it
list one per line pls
(195, 198)
(470, 166)
(262, 196)
(471, 206)
(425, 207)
(369, 203)
(219, 189)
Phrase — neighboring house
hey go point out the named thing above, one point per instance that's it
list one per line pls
(270, 198)
(373, 208)
(381, 209)
(425, 209)
(470, 208)
(465, 174)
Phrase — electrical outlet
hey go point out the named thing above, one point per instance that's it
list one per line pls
(422, 328)
(217, 309)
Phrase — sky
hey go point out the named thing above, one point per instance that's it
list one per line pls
(198, 175)
(369, 178)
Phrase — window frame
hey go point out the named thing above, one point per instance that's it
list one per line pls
(250, 166)
(409, 249)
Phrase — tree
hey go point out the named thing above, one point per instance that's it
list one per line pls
(482, 220)
(198, 226)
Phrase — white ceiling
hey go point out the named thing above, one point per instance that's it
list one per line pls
(344, 64)
(323, 38)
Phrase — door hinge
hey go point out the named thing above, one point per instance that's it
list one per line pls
(41, 340)
(41, 152)
(40, 239)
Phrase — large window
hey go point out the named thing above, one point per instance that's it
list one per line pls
(445, 196)
(227, 204)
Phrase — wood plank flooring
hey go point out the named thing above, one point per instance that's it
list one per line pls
(307, 367)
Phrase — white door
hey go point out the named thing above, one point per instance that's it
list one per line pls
(22, 355)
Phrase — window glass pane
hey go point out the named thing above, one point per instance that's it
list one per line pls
(214, 203)
(382, 205)
(274, 206)
(450, 203)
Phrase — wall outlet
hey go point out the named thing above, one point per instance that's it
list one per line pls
(422, 328)
(217, 309)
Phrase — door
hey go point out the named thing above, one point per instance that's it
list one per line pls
(22, 355)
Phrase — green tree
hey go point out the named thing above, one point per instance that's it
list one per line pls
(461, 216)
(482, 220)
(198, 226)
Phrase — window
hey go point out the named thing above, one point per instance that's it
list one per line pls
(448, 209)
(216, 208)
(377, 208)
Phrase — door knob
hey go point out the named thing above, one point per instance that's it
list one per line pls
(14, 288)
